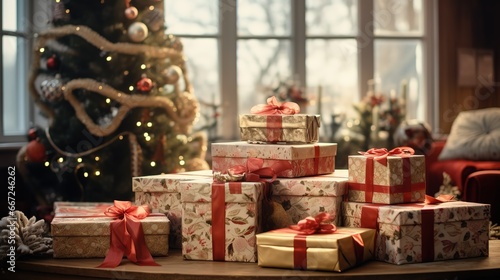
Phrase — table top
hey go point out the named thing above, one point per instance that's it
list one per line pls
(175, 267)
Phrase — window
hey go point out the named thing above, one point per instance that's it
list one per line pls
(14, 71)
(329, 48)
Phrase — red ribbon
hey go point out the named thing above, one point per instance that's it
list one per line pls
(127, 236)
(273, 107)
(254, 171)
(440, 199)
(320, 224)
(219, 217)
(274, 125)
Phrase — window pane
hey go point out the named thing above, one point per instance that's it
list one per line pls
(264, 17)
(14, 89)
(9, 12)
(398, 17)
(397, 61)
(332, 64)
(262, 64)
(202, 65)
(199, 17)
(331, 17)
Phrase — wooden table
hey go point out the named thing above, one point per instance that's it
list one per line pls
(174, 267)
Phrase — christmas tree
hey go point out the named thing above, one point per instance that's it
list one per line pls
(114, 87)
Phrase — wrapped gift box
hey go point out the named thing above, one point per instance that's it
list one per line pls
(81, 230)
(220, 220)
(305, 159)
(338, 251)
(161, 193)
(298, 128)
(418, 232)
(390, 180)
(309, 196)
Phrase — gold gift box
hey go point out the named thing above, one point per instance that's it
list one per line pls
(81, 230)
(299, 128)
(330, 252)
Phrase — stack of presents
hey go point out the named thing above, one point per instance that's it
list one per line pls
(377, 209)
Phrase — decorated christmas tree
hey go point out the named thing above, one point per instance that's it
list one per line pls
(114, 87)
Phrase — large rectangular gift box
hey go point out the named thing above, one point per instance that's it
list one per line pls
(419, 232)
(220, 220)
(303, 159)
(298, 128)
(309, 196)
(338, 251)
(388, 180)
(82, 230)
(161, 193)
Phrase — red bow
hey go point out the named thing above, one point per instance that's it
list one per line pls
(253, 171)
(127, 236)
(319, 224)
(381, 154)
(273, 107)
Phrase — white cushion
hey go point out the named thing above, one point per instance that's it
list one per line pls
(474, 135)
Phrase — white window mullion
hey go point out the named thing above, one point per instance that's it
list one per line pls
(431, 64)
(228, 128)
(365, 44)
(299, 40)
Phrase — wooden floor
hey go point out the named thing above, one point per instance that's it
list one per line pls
(174, 267)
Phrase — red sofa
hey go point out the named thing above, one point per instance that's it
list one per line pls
(478, 181)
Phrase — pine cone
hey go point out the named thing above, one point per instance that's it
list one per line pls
(30, 236)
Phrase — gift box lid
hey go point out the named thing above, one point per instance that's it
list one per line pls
(242, 149)
(310, 186)
(88, 219)
(411, 213)
(287, 121)
(285, 237)
(165, 182)
(238, 192)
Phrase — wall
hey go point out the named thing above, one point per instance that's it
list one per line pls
(465, 24)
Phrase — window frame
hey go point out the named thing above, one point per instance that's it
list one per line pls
(228, 44)
(25, 11)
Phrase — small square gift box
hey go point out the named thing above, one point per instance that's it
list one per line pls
(87, 230)
(386, 177)
(421, 232)
(220, 220)
(309, 196)
(309, 246)
(290, 160)
(161, 193)
(279, 122)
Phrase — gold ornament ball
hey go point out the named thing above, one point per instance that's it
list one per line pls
(137, 32)
(172, 73)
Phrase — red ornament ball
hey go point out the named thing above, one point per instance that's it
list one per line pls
(35, 151)
(145, 84)
(52, 63)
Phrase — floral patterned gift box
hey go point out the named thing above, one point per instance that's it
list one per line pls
(309, 196)
(305, 159)
(419, 232)
(220, 220)
(299, 128)
(161, 193)
(82, 230)
(386, 177)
